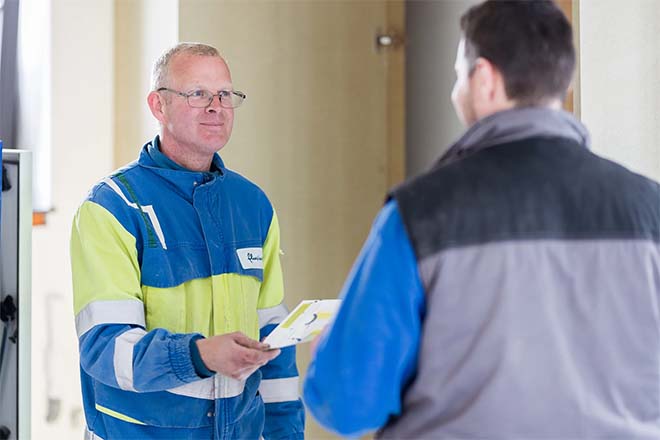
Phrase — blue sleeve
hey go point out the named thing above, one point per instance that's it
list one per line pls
(127, 357)
(369, 354)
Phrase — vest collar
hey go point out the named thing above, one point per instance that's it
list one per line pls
(514, 125)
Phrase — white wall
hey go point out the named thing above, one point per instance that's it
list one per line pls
(82, 147)
(620, 80)
(34, 108)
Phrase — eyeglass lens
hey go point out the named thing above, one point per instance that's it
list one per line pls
(202, 98)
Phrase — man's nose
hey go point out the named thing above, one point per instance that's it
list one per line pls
(214, 105)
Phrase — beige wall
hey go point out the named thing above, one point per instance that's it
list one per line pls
(143, 29)
(314, 131)
(620, 80)
(298, 135)
(82, 134)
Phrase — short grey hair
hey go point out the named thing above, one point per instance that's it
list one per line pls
(161, 67)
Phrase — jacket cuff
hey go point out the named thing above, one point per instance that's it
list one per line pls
(200, 368)
(180, 359)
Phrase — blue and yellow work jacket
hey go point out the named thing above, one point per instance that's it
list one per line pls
(161, 257)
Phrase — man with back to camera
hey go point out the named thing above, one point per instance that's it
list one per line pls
(510, 292)
(176, 277)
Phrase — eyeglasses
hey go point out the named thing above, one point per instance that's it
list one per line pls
(203, 98)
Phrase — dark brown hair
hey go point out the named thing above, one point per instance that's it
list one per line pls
(529, 41)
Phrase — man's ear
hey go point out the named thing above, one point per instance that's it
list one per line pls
(489, 89)
(156, 103)
(484, 80)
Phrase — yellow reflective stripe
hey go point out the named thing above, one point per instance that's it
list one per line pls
(104, 260)
(117, 415)
(272, 288)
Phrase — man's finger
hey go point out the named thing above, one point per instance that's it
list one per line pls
(243, 340)
(272, 354)
(249, 357)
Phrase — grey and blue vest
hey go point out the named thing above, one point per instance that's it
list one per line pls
(541, 269)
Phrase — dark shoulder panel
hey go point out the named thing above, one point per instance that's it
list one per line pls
(542, 188)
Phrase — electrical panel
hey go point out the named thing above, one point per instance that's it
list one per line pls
(15, 290)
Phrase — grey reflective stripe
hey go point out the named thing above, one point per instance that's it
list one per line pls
(216, 387)
(89, 435)
(129, 311)
(279, 390)
(201, 389)
(123, 358)
(227, 387)
(272, 315)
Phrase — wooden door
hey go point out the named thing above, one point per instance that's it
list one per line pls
(572, 100)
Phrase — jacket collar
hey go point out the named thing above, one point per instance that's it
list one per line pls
(162, 161)
(514, 125)
(184, 180)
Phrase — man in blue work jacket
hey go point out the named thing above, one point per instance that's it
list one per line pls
(513, 290)
(176, 277)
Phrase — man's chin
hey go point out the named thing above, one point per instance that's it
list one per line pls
(215, 143)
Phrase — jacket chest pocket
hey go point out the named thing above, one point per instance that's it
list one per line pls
(184, 308)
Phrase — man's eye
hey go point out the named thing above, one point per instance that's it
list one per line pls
(199, 93)
(225, 93)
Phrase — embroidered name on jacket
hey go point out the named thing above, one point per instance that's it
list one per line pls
(251, 258)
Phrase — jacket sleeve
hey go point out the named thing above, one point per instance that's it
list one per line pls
(115, 348)
(285, 415)
(368, 355)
